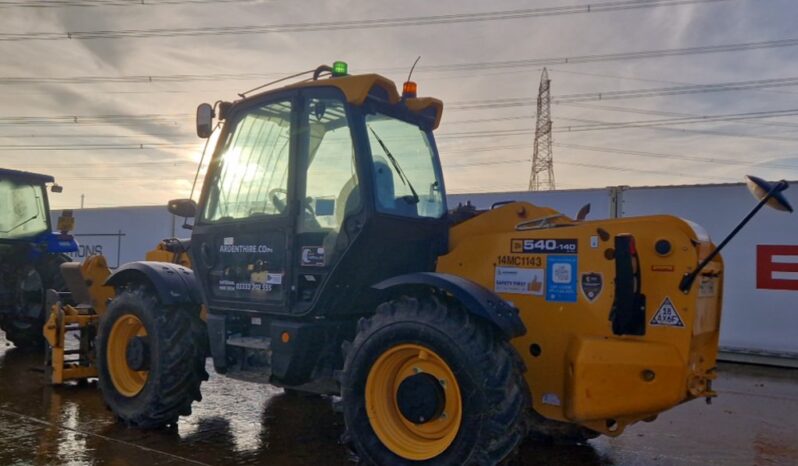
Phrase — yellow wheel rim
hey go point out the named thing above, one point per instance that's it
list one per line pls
(127, 381)
(411, 441)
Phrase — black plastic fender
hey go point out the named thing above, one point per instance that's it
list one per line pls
(477, 299)
(173, 283)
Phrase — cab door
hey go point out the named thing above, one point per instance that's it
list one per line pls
(241, 243)
(331, 211)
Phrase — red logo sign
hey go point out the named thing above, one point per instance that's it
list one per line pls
(777, 267)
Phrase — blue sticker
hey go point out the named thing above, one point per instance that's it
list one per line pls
(561, 274)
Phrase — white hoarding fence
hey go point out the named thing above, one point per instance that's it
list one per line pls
(760, 312)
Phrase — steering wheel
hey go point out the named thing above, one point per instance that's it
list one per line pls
(279, 203)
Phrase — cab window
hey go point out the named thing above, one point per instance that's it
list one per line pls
(331, 187)
(251, 177)
(407, 180)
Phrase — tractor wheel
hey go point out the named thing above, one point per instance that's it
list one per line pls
(425, 382)
(150, 359)
(24, 326)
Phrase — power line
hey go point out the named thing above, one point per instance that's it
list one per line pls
(610, 108)
(90, 118)
(678, 121)
(670, 156)
(357, 24)
(87, 147)
(94, 3)
(538, 62)
(639, 170)
(612, 150)
(470, 66)
(697, 131)
(525, 101)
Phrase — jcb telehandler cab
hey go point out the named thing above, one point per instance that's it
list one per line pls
(324, 252)
(30, 254)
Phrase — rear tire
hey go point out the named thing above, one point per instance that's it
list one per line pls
(176, 340)
(474, 364)
(21, 329)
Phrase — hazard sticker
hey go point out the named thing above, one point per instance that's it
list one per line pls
(667, 316)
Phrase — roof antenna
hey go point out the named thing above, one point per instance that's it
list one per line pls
(413, 68)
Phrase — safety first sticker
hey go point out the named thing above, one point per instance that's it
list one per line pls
(667, 315)
(519, 281)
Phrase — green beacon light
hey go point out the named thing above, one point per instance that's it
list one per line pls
(339, 68)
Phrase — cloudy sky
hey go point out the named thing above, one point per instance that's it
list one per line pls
(111, 117)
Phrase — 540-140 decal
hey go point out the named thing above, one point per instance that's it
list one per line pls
(544, 246)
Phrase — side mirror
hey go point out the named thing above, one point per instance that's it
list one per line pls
(56, 188)
(204, 121)
(761, 189)
(182, 207)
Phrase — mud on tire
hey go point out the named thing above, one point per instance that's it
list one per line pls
(177, 340)
(495, 401)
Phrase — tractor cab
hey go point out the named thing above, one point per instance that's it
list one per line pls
(316, 191)
(30, 253)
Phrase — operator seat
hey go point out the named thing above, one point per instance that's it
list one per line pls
(386, 192)
(347, 202)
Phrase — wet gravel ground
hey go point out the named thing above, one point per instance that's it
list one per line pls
(753, 422)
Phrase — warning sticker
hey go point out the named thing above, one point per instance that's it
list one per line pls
(667, 316)
(519, 281)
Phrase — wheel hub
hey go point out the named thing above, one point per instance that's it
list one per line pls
(137, 354)
(420, 398)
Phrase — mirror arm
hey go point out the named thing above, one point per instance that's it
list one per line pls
(689, 278)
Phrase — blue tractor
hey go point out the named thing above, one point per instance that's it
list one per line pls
(30, 254)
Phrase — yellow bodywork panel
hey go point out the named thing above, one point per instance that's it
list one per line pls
(95, 272)
(57, 369)
(560, 275)
(162, 254)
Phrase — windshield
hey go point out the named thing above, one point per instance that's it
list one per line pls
(251, 173)
(406, 178)
(23, 214)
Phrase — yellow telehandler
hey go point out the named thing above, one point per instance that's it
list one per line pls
(88, 298)
(328, 261)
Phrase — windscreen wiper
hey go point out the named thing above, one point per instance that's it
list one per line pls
(414, 198)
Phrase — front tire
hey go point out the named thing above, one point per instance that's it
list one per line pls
(425, 382)
(150, 359)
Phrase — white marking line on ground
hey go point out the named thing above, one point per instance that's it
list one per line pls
(757, 395)
(103, 437)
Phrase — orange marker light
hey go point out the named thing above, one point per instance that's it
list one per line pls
(285, 337)
(409, 90)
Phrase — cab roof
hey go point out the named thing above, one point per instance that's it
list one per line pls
(27, 177)
(356, 89)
